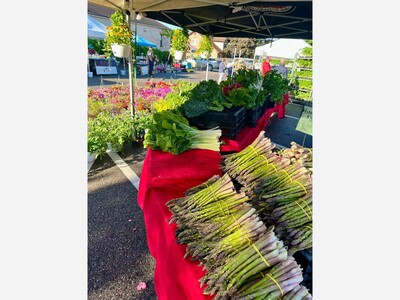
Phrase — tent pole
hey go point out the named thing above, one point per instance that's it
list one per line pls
(131, 88)
(134, 65)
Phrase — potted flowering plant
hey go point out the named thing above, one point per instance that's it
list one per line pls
(179, 42)
(119, 35)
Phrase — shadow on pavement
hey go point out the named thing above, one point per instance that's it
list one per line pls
(118, 256)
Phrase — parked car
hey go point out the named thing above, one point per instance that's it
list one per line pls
(199, 63)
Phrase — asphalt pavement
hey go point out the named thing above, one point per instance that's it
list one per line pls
(118, 256)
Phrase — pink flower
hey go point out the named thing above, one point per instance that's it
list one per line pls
(141, 286)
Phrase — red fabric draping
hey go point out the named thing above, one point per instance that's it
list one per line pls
(164, 177)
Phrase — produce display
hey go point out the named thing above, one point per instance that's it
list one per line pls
(245, 226)
(243, 258)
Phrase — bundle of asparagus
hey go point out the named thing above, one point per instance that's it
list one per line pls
(281, 191)
(273, 284)
(299, 238)
(260, 146)
(226, 279)
(291, 215)
(224, 232)
(300, 292)
(299, 154)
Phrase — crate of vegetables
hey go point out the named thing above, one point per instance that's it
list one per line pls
(229, 118)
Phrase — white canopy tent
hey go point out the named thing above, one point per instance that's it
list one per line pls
(283, 48)
(96, 30)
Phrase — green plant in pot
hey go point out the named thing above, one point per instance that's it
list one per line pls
(119, 36)
(179, 42)
(205, 47)
(107, 131)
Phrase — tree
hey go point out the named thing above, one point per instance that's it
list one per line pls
(244, 46)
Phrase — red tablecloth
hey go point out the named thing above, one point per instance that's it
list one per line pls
(247, 135)
(164, 177)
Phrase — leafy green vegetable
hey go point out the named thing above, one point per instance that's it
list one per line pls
(205, 96)
(170, 132)
(276, 85)
(246, 77)
(243, 97)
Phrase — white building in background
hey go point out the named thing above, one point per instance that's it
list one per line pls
(146, 28)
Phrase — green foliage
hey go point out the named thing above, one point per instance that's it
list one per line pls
(98, 45)
(119, 32)
(169, 132)
(114, 129)
(251, 94)
(180, 40)
(243, 97)
(141, 122)
(305, 84)
(246, 77)
(183, 86)
(303, 74)
(276, 85)
(305, 63)
(307, 51)
(205, 47)
(173, 100)
(168, 33)
(205, 96)
(303, 95)
(161, 55)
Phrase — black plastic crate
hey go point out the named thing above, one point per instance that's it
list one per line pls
(268, 102)
(254, 114)
(228, 118)
(231, 133)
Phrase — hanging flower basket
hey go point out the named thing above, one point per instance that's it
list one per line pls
(120, 50)
(178, 55)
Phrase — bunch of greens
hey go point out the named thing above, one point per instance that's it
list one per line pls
(170, 132)
(276, 85)
(246, 77)
(205, 96)
(245, 88)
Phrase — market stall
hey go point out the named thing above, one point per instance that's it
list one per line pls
(166, 176)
